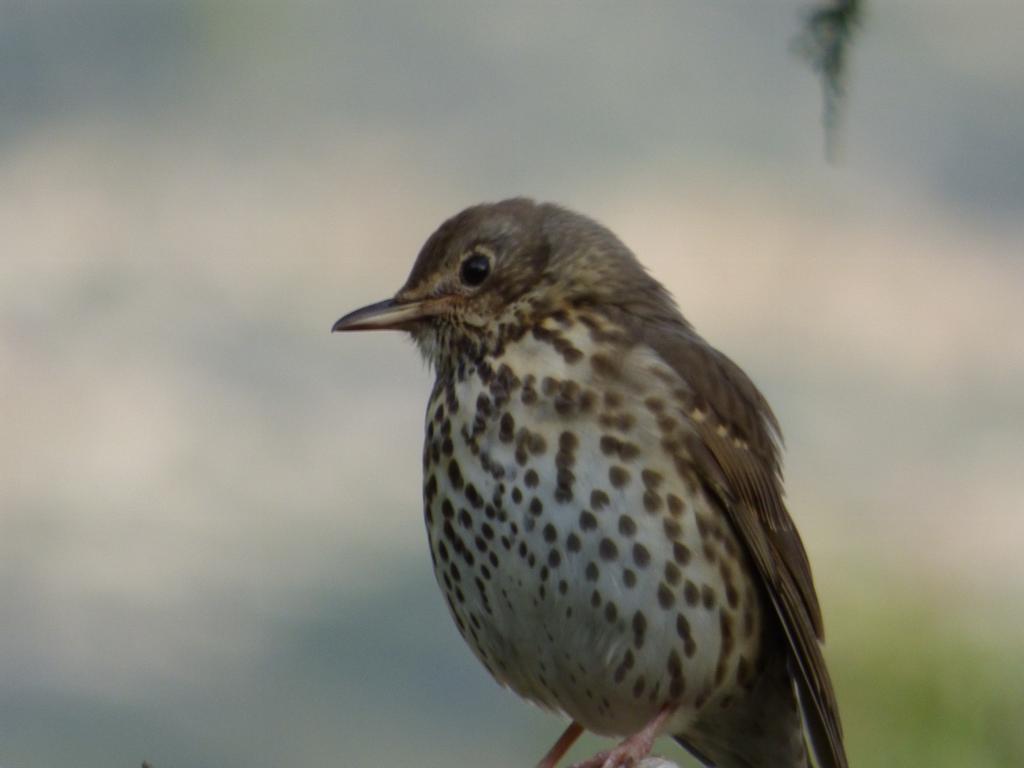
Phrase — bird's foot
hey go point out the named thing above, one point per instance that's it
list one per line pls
(628, 754)
(557, 752)
(631, 751)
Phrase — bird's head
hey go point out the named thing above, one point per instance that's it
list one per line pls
(496, 269)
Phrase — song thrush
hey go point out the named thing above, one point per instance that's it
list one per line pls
(603, 497)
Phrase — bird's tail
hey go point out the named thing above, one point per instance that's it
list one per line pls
(764, 729)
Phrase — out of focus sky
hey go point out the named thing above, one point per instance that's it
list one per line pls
(211, 542)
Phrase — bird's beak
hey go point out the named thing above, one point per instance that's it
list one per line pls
(390, 314)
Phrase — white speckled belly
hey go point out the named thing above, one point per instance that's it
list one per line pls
(579, 556)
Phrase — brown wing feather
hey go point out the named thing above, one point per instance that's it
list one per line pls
(738, 453)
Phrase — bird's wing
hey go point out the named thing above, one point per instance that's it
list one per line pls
(737, 455)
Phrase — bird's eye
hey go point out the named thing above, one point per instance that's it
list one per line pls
(475, 269)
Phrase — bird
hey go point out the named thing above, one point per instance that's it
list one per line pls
(603, 498)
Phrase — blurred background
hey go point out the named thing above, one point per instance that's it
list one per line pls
(211, 542)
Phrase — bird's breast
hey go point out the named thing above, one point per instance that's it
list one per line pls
(577, 551)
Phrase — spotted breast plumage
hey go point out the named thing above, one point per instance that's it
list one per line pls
(603, 499)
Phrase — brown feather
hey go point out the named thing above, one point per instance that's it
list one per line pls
(742, 468)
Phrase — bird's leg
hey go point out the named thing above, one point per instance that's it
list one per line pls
(566, 740)
(632, 750)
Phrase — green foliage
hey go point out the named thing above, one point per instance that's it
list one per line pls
(917, 689)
